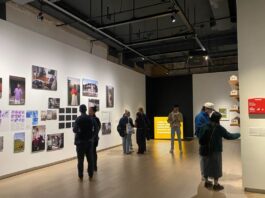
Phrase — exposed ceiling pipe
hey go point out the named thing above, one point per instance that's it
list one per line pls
(187, 23)
(184, 35)
(154, 16)
(102, 33)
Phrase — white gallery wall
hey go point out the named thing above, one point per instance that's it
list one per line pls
(214, 87)
(20, 49)
(251, 50)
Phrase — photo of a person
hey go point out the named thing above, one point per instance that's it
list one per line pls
(73, 91)
(109, 96)
(16, 90)
(38, 138)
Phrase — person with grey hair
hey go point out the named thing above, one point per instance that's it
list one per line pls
(126, 124)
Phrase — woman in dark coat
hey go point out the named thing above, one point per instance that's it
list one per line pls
(140, 133)
(211, 148)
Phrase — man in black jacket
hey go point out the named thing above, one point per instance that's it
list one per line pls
(92, 113)
(85, 129)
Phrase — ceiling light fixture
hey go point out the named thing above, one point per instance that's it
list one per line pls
(143, 58)
(206, 57)
(173, 18)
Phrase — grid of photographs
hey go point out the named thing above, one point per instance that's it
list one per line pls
(67, 117)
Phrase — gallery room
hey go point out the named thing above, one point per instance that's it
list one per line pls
(132, 98)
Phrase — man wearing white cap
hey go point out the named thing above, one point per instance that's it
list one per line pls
(202, 119)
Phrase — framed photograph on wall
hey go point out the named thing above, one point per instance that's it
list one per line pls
(0, 87)
(43, 78)
(106, 128)
(224, 112)
(38, 138)
(93, 103)
(17, 90)
(19, 142)
(1, 143)
(55, 141)
(53, 103)
(109, 96)
(90, 88)
(73, 85)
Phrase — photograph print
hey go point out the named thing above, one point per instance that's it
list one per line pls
(43, 78)
(19, 142)
(93, 103)
(53, 103)
(73, 91)
(0, 87)
(109, 96)
(38, 138)
(1, 143)
(55, 141)
(90, 88)
(106, 128)
(17, 90)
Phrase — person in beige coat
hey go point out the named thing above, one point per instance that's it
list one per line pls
(174, 119)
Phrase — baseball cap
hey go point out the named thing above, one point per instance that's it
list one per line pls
(209, 105)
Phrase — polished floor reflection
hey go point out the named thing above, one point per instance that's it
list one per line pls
(157, 174)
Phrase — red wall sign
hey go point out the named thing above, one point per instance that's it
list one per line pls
(256, 106)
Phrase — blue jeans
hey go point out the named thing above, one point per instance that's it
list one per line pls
(126, 143)
(177, 131)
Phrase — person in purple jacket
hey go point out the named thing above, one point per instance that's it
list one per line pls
(18, 94)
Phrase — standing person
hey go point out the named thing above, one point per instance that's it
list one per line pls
(211, 148)
(18, 94)
(74, 99)
(147, 132)
(92, 113)
(202, 119)
(140, 125)
(126, 125)
(174, 119)
(85, 130)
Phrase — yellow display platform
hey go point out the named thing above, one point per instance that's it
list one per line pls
(163, 130)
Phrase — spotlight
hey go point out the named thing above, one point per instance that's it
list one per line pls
(143, 58)
(173, 18)
(206, 57)
(40, 16)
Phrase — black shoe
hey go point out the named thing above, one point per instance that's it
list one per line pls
(208, 184)
(218, 187)
(90, 177)
(96, 169)
(80, 177)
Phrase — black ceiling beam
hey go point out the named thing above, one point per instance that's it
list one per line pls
(232, 10)
(204, 66)
(136, 20)
(102, 33)
(187, 23)
(212, 18)
(174, 37)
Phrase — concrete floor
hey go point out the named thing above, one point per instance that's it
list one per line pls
(157, 174)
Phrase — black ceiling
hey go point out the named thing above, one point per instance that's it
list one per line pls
(145, 26)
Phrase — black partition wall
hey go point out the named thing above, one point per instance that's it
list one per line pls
(163, 93)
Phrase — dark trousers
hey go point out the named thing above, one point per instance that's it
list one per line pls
(141, 141)
(95, 155)
(82, 151)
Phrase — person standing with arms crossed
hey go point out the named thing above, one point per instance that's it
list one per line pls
(85, 130)
(174, 119)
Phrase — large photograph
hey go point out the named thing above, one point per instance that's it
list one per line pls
(19, 142)
(43, 78)
(0, 87)
(73, 91)
(90, 88)
(53, 103)
(55, 141)
(1, 143)
(93, 103)
(38, 138)
(109, 96)
(17, 90)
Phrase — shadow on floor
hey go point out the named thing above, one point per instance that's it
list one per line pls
(203, 192)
